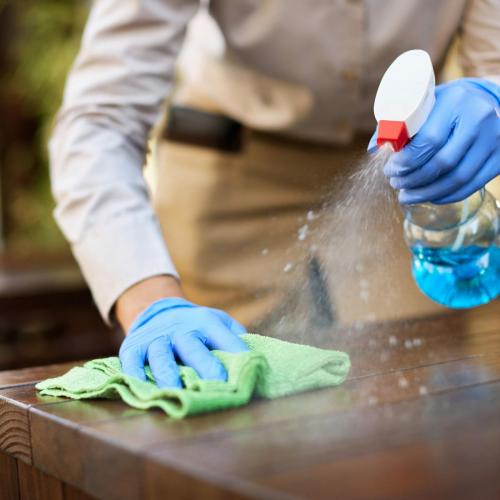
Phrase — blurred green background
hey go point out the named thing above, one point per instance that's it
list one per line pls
(38, 41)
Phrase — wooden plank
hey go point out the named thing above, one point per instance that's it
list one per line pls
(72, 493)
(9, 489)
(14, 421)
(55, 432)
(406, 344)
(108, 429)
(141, 428)
(54, 442)
(110, 471)
(91, 470)
(106, 468)
(31, 375)
(187, 482)
(14, 429)
(9, 481)
(377, 347)
(461, 466)
(153, 428)
(35, 485)
(291, 446)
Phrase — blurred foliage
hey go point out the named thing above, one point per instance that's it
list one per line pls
(47, 42)
(43, 39)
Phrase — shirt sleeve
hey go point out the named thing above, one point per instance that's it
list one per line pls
(480, 39)
(113, 96)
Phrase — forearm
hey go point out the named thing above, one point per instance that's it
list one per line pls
(139, 296)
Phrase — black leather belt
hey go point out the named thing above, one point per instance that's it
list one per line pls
(199, 128)
(215, 131)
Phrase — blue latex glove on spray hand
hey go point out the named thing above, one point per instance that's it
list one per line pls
(173, 328)
(457, 150)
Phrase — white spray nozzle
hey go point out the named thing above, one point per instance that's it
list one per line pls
(404, 98)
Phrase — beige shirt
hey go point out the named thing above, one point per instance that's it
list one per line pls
(309, 69)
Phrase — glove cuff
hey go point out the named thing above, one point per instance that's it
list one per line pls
(158, 307)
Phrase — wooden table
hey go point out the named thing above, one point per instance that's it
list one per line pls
(419, 417)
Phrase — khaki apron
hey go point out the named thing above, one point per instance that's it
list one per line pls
(234, 224)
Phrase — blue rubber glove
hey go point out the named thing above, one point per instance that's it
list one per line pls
(457, 150)
(174, 328)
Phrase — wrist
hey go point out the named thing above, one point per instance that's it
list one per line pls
(138, 297)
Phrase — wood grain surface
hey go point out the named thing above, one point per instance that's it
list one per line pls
(417, 418)
(9, 485)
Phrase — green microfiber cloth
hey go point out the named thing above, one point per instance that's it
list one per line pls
(271, 368)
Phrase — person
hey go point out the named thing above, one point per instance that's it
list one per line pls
(253, 131)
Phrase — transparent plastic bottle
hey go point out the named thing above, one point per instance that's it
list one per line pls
(455, 247)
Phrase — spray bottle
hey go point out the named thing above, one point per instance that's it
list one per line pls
(456, 258)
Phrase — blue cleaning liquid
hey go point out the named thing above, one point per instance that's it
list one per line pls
(459, 279)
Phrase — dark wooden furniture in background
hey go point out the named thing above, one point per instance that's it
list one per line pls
(47, 314)
(419, 417)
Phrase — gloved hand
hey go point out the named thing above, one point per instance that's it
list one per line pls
(457, 150)
(173, 328)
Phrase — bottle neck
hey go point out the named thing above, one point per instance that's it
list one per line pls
(440, 217)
